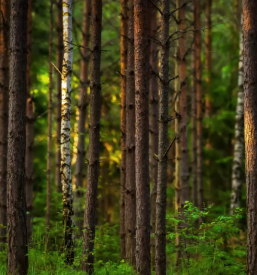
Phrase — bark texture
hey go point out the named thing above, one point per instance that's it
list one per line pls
(4, 101)
(143, 261)
(123, 71)
(237, 171)
(17, 259)
(130, 197)
(68, 213)
(160, 232)
(94, 137)
(58, 183)
(250, 120)
(29, 130)
(83, 103)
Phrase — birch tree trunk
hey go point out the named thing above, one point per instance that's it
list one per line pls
(130, 196)
(83, 103)
(17, 245)
(160, 232)
(4, 101)
(237, 172)
(250, 122)
(143, 262)
(123, 71)
(94, 138)
(68, 213)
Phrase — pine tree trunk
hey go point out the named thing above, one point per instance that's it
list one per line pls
(50, 109)
(250, 122)
(160, 232)
(123, 71)
(83, 102)
(237, 171)
(154, 110)
(94, 138)
(17, 258)
(58, 183)
(29, 130)
(68, 213)
(143, 264)
(130, 196)
(4, 101)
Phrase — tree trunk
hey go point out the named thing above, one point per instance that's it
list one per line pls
(123, 71)
(4, 101)
(237, 172)
(198, 101)
(83, 102)
(58, 183)
(94, 138)
(250, 122)
(160, 232)
(50, 109)
(17, 258)
(130, 196)
(29, 130)
(68, 213)
(154, 110)
(143, 264)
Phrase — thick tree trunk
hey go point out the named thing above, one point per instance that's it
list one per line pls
(94, 138)
(237, 172)
(160, 232)
(83, 103)
(17, 258)
(250, 122)
(143, 261)
(198, 101)
(4, 101)
(68, 213)
(154, 112)
(123, 71)
(29, 131)
(130, 196)
(58, 183)
(50, 109)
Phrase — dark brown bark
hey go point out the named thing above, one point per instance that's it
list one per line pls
(154, 111)
(143, 261)
(4, 101)
(50, 109)
(17, 259)
(123, 71)
(94, 137)
(250, 119)
(160, 232)
(58, 184)
(83, 103)
(29, 130)
(130, 196)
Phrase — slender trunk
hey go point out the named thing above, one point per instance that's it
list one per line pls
(123, 71)
(154, 110)
(250, 122)
(237, 172)
(58, 183)
(198, 101)
(4, 101)
(17, 258)
(68, 214)
(143, 261)
(50, 109)
(29, 131)
(160, 232)
(130, 196)
(94, 138)
(83, 102)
